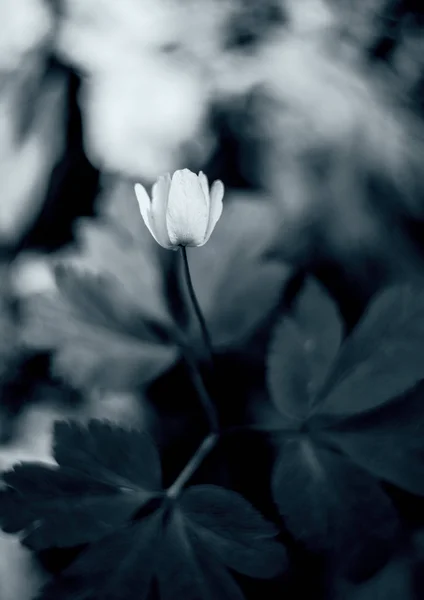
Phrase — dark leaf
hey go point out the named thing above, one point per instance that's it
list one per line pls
(98, 337)
(333, 506)
(187, 551)
(120, 566)
(388, 441)
(217, 578)
(119, 456)
(104, 477)
(302, 349)
(235, 532)
(102, 498)
(383, 356)
(188, 571)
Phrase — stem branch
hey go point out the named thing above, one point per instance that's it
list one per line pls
(193, 464)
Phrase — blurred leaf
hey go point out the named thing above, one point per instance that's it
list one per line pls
(119, 245)
(119, 330)
(303, 347)
(105, 475)
(387, 441)
(237, 286)
(100, 339)
(28, 158)
(382, 357)
(334, 507)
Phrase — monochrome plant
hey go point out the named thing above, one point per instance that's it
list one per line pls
(303, 465)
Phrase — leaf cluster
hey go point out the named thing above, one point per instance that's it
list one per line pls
(105, 495)
(340, 418)
(351, 418)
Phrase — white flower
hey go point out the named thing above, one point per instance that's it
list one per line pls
(182, 211)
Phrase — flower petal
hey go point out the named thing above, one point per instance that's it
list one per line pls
(217, 194)
(187, 214)
(160, 195)
(205, 185)
(145, 206)
(143, 202)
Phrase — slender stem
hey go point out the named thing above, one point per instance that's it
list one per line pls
(205, 333)
(204, 397)
(194, 463)
(194, 370)
(208, 406)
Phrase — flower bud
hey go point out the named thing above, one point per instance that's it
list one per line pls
(182, 211)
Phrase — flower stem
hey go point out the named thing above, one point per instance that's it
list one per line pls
(194, 463)
(191, 363)
(197, 379)
(205, 333)
(202, 392)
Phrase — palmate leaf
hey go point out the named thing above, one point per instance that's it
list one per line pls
(360, 423)
(187, 552)
(118, 245)
(236, 285)
(105, 476)
(380, 359)
(117, 331)
(334, 507)
(98, 337)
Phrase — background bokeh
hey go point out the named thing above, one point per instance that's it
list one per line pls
(312, 107)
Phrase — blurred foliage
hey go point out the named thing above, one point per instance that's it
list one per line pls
(310, 111)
